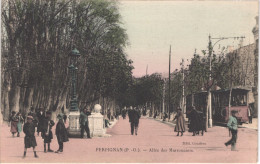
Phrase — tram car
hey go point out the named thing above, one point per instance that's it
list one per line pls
(239, 103)
(220, 103)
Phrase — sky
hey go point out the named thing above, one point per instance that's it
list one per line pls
(152, 26)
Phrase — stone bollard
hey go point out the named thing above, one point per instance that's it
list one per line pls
(96, 122)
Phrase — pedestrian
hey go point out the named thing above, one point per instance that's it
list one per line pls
(250, 114)
(134, 117)
(144, 112)
(84, 124)
(180, 122)
(124, 113)
(117, 113)
(232, 126)
(201, 123)
(107, 123)
(165, 116)
(108, 114)
(13, 120)
(19, 123)
(29, 139)
(61, 133)
(194, 121)
(155, 114)
(47, 131)
(40, 117)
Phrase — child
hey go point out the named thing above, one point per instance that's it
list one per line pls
(29, 139)
(19, 123)
(61, 133)
(14, 121)
(46, 132)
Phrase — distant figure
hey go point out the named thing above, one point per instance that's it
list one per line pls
(250, 114)
(180, 122)
(47, 132)
(155, 114)
(61, 133)
(108, 114)
(117, 114)
(165, 116)
(124, 113)
(134, 117)
(144, 112)
(19, 123)
(232, 126)
(13, 119)
(41, 117)
(107, 123)
(29, 139)
(84, 124)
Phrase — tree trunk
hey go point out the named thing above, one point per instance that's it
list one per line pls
(14, 98)
(5, 104)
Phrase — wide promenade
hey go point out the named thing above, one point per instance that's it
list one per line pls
(155, 142)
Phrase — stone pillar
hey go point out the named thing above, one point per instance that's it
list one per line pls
(74, 126)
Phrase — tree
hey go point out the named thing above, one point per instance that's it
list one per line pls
(37, 38)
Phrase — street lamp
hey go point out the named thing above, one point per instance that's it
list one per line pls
(74, 127)
(74, 55)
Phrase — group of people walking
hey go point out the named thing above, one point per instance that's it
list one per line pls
(42, 120)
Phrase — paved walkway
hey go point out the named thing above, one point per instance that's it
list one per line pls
(155, 142)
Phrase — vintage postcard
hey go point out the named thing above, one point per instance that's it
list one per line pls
(129, 81)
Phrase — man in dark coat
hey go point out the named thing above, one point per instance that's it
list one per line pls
(29, 139)
(124, 113)
(180, 123)
(134, 116)
(61, 133)
(194, 121)
(47, 132)
(83, 120)
(41, 117)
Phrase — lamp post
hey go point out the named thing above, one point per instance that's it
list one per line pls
(74, 127)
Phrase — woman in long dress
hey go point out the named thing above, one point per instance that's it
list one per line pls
(180, 122)
(14, 121)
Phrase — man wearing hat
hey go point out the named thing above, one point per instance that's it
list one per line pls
(29, 139)
(61, 133)
(134, 117)
(232, 126)
(46, 131)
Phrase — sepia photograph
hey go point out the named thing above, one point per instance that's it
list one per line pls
(129, 81)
